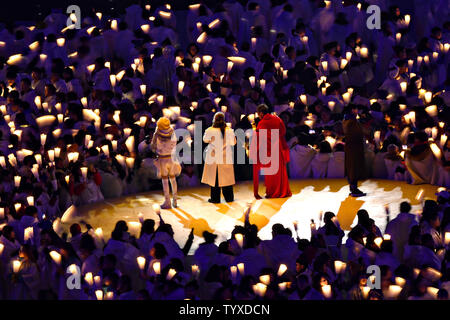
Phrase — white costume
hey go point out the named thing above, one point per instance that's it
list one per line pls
(163, 143)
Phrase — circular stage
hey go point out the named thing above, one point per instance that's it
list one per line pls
(309, 198)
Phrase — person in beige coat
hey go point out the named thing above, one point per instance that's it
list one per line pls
(218, 171)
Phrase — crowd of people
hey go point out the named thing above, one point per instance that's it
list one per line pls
(79, 108)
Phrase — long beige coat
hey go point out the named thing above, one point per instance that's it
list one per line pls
(219, 157)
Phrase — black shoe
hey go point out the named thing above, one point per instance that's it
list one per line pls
(357, 193)
(210, 201)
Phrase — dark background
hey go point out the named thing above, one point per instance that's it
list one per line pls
(30, 10)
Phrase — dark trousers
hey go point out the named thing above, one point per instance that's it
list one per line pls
(353, 184)
(227, 192)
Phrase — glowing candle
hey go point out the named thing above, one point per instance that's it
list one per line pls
(42, 57)
(265, 279)
(141, 262)
(343, 63)
(196, 67)
(143, 88)
(34, 46)
(377, 136)
(206, 60)
(30, 200)
(17, 181)
(348, 55)
(331, 141)
(283, 285)
(260, 289)
(281, 269)
(394, 291)
(443, 140)
(326, 291)
(202, 38)
(84, 102)
(46, 120)
(252, 81)
(364, 52)
(97, 281)
(160, 99)
(229, 66)
(145, 28)
(398, 36)
(113, 79)
(171, 274)
(60, 42)
(130, 143)
(400, 281)
(407, 19)
(35, 170)
(386, 236)
(99, 294)
(325, 66)
(435, 56)
(403, 86)
(105, 150)
(89, 278)
(434, 132)
(114, 25)
(180, 86)
(253, 41)
(365, 292)
(109, 295)
(346, 97)
(16, 266)
(28, 233)
(262, 84)
(428, 96)
(304, 99)
(3, 161)
(432, 274)
(378, 241)
(339, 266)
(157, 267)
(436, 150)
(412, 117)
(239, 239)
(120, 75)
(55, 256)
(233, 270)
(241, 268)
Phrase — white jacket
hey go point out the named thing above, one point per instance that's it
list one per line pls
(219, 157)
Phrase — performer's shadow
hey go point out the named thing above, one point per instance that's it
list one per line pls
(188, 221)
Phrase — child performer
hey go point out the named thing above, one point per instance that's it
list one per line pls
(163, 144)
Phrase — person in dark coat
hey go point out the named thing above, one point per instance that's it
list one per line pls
(354, 152)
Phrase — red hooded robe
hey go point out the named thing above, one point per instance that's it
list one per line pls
(277, 185)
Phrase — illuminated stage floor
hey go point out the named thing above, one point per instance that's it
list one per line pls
(309, 198)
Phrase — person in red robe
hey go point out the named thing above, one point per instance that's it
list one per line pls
(270, 152)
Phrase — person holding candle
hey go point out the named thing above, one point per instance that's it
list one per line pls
(163, 144)
(26, 281)
(218, 170)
